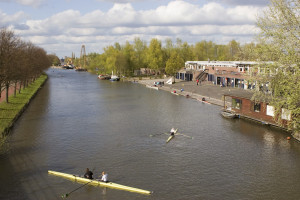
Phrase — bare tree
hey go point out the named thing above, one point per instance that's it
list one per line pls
(20, 62)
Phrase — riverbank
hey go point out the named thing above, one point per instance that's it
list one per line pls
(211, 93)
(10, 112)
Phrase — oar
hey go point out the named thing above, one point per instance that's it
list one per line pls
(185, 135)
(155, 134)
(66, 195)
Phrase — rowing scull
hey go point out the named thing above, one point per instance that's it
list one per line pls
(171, 136)
(98, 183)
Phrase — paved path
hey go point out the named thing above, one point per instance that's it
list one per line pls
(212, 93)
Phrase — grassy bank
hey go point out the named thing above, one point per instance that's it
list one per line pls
(9, 112)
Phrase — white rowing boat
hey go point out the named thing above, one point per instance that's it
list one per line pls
(98, 183)
(152, 87)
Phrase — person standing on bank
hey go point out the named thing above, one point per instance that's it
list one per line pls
(197, 81)
(88, 174)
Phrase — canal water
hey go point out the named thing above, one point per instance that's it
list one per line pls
(77, 121)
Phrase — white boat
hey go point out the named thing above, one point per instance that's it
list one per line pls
(228, 115)
(103, 77)
(152, 87)
(114, 77)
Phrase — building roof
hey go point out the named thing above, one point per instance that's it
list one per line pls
(248, 94)
(222, 63)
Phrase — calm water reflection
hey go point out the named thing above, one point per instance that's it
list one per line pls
(77, 121)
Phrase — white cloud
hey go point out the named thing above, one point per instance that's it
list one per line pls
(122, 1)
(177, 19)
(33, 3)
(8, 20)
(244, 2)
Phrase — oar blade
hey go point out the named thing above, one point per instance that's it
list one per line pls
(185, 135)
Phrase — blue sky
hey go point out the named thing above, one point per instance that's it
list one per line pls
(63, 26)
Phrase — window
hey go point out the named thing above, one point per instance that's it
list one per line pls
(237, 103)
(286, 114)
(270, 110)
(257, 107)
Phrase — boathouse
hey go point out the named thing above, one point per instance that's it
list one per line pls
(224, 73)
(257, 110)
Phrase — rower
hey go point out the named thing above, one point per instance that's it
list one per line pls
(172, 131)
(88, 174)
(104, 177)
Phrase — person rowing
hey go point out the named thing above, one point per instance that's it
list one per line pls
(104, 177)
(88, 174)
(172, 131)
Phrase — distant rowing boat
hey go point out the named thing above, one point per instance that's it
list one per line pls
(171, 136)
(98, 183)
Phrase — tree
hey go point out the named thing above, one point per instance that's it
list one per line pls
(129, 64)
(140, 48)
(19, 61)
(234, 48)
(155, 55)
(185, 52)
(280, 39)
(174, 63)
(54, 59)
(9, 43)
(111, 54)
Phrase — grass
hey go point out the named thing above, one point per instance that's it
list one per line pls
(9, 112)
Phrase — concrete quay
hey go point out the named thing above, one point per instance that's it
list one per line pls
(213, 94)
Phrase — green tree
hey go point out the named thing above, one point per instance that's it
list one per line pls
(280, 41)
(54, 59)
(234, 48)
(140, 49)
(185, 52)
(111, 54)
(247, 52)
(130, 63)
(155, 55)
(93, 60)
(174, 63)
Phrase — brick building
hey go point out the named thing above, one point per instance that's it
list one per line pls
(224, 73)
(258, 110)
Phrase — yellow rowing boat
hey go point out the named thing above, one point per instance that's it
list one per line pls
(98, 183)
(170, 138)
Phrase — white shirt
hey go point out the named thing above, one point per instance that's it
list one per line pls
(104, 177)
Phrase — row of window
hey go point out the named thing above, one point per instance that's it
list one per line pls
(256, 107)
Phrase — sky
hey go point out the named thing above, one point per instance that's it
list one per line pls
(61, 27)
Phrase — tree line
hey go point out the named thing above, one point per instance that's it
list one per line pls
(124, 59)
(20, 62)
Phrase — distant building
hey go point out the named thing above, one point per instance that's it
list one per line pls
(258, 110)
(223, 73)
(144, 71)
